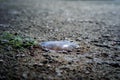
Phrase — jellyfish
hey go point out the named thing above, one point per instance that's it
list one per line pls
(59, 46)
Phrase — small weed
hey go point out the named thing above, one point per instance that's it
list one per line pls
(16, 41)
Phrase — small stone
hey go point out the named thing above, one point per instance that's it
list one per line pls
(1, 60)
(115, 65)
(69, 63)
(37, 64)
(20, 55)
(77, 53)
(45, 62)
(102, 45)
(89, 57)
(25, 74)
(104, 54)
(87, 72)
(79, 39)
(4, 25)
(48, 65)
(106, 36)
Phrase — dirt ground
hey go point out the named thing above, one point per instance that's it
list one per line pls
(94, 25)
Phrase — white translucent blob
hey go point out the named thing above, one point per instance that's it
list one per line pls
(59, 46)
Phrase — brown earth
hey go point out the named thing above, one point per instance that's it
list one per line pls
(94, 25)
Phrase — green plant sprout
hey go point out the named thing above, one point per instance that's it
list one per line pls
(16, 41)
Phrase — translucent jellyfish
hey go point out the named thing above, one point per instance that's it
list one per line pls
(59, 46)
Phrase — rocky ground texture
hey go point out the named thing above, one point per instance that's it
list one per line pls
(94, 25)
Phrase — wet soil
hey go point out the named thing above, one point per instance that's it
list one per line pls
(94, 25)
